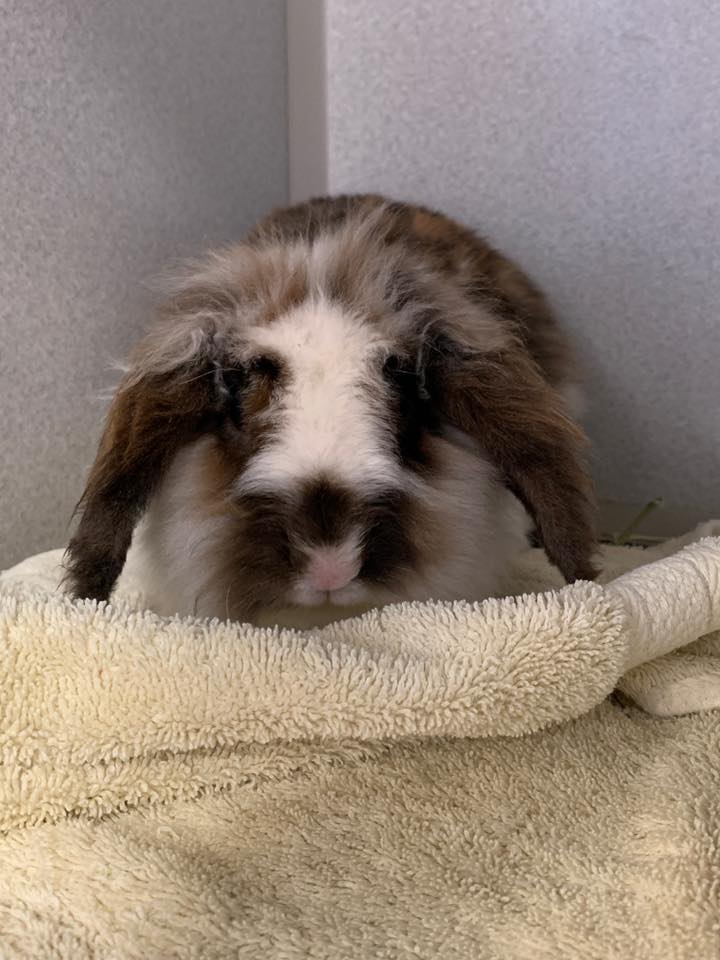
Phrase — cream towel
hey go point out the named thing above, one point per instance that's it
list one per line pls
(197, 789)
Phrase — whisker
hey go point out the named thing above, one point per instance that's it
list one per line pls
(227, 599)
(207, 373)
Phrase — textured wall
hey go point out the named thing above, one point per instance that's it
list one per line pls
(583, 139)
(132, 132)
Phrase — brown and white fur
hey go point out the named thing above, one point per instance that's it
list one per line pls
(350, 408)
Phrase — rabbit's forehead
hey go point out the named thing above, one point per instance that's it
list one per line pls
(332, 417)
(320, 337)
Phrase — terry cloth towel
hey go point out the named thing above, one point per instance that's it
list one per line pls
(429, 780)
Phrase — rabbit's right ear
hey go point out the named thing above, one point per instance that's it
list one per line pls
(502, 400)
(160, 406)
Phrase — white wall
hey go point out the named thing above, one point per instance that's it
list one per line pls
(583, 138)
(132, 132)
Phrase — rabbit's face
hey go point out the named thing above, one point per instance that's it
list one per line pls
(329, 479)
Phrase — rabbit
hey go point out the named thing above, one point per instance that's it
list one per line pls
(361, 403)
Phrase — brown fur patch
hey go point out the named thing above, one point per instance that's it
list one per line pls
(325, 512)
(505, 404)
(265, 376)
(395, 539)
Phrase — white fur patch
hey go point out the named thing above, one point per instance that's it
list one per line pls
(176, 542)
(326, 422)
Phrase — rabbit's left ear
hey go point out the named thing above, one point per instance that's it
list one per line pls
(153, 415)
(502, 400)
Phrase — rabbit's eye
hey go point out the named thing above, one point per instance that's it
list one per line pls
(267, 367)
(400, 373)
(396, 368)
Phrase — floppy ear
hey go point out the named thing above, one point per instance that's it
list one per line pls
(504, 403)
(156, 411)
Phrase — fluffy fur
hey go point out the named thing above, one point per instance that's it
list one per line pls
(360, 394)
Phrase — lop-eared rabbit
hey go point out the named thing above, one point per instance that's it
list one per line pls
(361, 403)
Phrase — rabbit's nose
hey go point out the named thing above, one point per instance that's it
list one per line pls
(329, 568)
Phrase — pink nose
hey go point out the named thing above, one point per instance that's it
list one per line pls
(328, 569)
